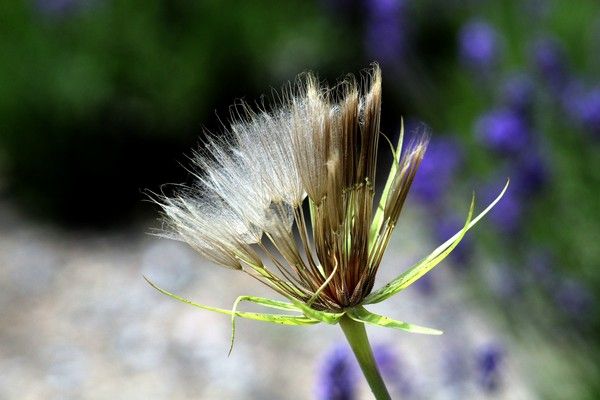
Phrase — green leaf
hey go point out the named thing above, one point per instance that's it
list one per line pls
(361, 314)
(378, 219)
(276, 304)
(422, 267)
(280, 319)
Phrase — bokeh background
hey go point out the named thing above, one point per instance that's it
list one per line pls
(101, 100)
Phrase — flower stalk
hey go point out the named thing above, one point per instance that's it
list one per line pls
(356, 335)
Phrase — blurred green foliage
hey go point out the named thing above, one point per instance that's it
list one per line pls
(98, 98)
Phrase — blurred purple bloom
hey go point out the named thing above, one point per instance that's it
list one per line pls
(383, 8)
(503, 131)
(338, 375)
(588, 111)
(583, 106)
(571, 98)
(437, 171)
(445, 228)
(391, 370)
(425, 285)
(574, 298)
(56, 7)
(541, 267)
(531, 175)
(479, 45)
(386, 37)
(455, 367)
(489, 360)
(507, 214)
(549, 59)
(518, 94)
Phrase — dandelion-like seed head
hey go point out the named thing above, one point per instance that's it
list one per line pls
(245, 210)
(288, 196)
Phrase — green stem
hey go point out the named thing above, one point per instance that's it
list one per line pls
(356, 335)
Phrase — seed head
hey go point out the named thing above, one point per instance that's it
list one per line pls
(315, 151)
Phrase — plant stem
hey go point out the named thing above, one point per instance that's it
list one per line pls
(356, 335)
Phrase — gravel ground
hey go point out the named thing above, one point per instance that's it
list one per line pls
(77, 321)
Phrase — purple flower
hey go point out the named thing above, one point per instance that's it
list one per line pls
(571, 98)
(574, 299)
(425, 285)
(445, 228)
(338, 375)
(455, 366)
(530, 175)
(549, 59)
(383, 8)
(437, 171)
(385, 36)
(542, 269)
(489, 359)
(56, 7)
(518, 94)
(391, 370)
(503, 131)
(479, 45)
(589, 111)
(582, 105)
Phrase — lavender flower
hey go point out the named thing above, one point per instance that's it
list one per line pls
(574, 298)
(479, 45)
(582, 105)
(392, 370)
(550, 61)
(386, 37)
(426, 285)
(338, 375)
(590, 111)
(455, 366)
(489, 360)
(56, 7)
(438, 170)
(518, 94)
(571, 98)
(503, 131)
(542, 268)
(531, 175)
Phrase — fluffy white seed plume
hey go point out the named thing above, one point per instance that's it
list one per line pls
(211, 228)
(263, 142)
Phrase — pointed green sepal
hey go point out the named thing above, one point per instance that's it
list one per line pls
(280, 319)
(361, 314)
(425, 265)
(269, 303)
